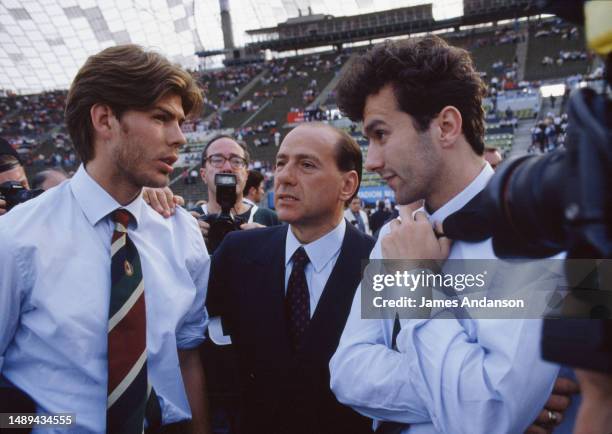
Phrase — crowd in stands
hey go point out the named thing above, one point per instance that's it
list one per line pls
(33, 122)
(7, 105)
(556, 48)
(40, 113)
(316, 61)
(548, 134)
(25, 120)
(502, 35)
(264, 127)
(271, 86)
(230, 77)
(565, 56)
(32, 114)
(507, 118)
(321, 114)
(191, 158)
(506, 79)
(555, 27)
(190, 176)
(224, 85)
(310, 93)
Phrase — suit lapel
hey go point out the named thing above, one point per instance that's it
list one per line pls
(265, 296)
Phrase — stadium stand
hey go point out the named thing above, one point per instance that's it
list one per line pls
(224, 86)
(254, 101)
(493, 51)
(556, 50)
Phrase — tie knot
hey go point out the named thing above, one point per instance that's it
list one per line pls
(300, 258)
(121, 217)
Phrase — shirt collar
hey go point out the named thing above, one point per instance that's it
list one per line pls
(248, 201)
(320, 251)
(95, 202)
(464, 196)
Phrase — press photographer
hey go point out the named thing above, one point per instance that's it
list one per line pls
(224, 222)
(225, 155)
(224, 171)
(14, 186)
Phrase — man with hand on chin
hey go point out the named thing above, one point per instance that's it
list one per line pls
(420, 101)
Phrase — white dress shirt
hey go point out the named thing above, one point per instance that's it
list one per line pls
(323, 254)
(55, 293)
(449, 375)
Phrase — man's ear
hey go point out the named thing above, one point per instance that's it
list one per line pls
(449, 126)
(101, 118)
(350, 183)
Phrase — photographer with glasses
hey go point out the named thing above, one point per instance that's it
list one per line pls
(224, 154)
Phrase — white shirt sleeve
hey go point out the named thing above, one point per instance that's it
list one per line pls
(191, 332)
(12, 280)
(371, 377)
(495, 382)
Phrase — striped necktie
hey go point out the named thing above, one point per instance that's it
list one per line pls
(128, 387)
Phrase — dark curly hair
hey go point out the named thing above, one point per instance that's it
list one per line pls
(427, 75)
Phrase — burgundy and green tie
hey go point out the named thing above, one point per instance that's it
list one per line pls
(128, 387)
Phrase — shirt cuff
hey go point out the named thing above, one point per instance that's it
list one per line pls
(191, 335)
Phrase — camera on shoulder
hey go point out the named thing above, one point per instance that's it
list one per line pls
(224, 222)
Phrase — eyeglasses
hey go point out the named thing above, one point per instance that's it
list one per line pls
(218, 161)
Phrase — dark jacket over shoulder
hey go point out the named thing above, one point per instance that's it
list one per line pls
(283, 392)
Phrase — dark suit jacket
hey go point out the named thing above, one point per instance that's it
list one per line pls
(378, 219)
(281, 392)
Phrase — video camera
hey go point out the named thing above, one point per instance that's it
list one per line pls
(537, 206)
(223, 223)
(14, 193)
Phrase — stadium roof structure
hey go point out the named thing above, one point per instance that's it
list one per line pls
(44, 42)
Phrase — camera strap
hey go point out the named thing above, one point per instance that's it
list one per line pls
(253, 210)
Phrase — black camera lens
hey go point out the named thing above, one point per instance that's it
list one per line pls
(14, 193)
(220, 225)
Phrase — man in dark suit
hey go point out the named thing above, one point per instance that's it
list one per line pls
(284, 292)
(379, 217)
